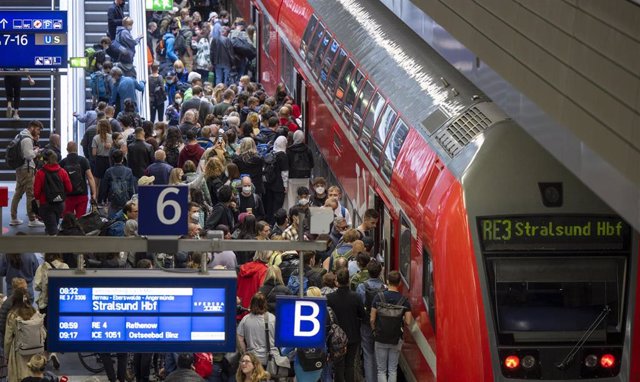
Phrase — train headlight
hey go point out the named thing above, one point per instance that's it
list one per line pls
(608, 361)
(512, 362)
(528, 362)
(591, 361)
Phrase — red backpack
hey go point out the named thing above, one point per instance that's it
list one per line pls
(203, 363)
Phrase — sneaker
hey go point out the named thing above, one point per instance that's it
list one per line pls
(36, 223)
(55, 361)
(9, 111)
(15, 222)
(16, 117)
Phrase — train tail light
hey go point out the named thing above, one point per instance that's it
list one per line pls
(591, 361)
(608, 361)
(528, 362)
(512, 362)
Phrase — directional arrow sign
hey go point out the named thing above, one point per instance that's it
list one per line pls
(4, 23)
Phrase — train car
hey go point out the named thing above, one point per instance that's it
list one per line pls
(515, 270)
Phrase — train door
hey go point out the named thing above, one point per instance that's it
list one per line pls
(300, 96)
(256, 19)
(383, 242)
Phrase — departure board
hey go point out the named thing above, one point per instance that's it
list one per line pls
(147, 311)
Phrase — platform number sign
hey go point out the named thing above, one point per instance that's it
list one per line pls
(163, 210)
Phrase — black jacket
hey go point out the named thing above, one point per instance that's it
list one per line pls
(254, 201)
(204, 108)
(186, 126)
(271, 290)
(282, 164)
(115, 14)
(220, 214)
(300, 161)
(251, 166)
(349, 311)
(139, 157)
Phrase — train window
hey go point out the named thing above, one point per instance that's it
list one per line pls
(307, 35)
(344, 86)
(287, 75)
(322, 49)
(335, 72)
(393, 147)
(380, 136)
(328, 60)
(266, 36)
(405, 250)
(361, 106)
(429, 288)
(370, 120)
(317, 36)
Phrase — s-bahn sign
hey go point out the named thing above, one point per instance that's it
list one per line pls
(546, 233)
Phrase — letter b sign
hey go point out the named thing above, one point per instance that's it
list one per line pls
(301, 321)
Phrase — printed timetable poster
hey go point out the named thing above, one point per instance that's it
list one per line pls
(141, 311)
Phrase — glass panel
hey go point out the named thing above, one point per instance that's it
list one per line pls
(546, 299)
(405, 250)
(393, 147)
(361, 106)
(380, 136)
(429, 288)
(370, 121)
(344, 84)
(266, 36)
(335, 72)
(319, 33)
(307, 36)
(328, 60)
(324, 47)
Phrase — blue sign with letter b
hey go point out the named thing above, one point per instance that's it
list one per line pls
(301, 321)
(163, 210)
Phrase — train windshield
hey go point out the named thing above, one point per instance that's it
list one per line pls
(556, 299)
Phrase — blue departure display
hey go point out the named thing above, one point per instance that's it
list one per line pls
(140, 311)
(33, 39)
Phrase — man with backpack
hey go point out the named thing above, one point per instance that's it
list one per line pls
(19, 156)
(367, 291)
(390, 310)
(51, 186)
(349, 311)
(118, 183)
(124, 88)
(312, 275)
(79, 171)
(100, 83)
(222, 56)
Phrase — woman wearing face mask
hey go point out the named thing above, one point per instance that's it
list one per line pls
(124, 37)
(300, 165)
(319, 192)
(277, 187)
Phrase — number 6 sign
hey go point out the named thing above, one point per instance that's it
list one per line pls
(163, 210)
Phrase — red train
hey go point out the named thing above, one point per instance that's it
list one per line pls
(515, 270)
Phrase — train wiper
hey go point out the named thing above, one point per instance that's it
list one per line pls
(585, 337)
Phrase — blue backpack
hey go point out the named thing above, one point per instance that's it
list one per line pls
(99, 86)
(263, 149)
(119, 195)
(294, 284)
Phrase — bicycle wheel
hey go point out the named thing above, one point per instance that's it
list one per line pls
(91, 362)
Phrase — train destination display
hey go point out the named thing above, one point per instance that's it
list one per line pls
(501, 233)
(142, 311)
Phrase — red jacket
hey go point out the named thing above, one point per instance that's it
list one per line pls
(38, 185)
(250, 278)
(191, 152)
(289, 123)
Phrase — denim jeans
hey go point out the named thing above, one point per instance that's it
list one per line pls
(368, 353)
(387, 361)
(222, 74)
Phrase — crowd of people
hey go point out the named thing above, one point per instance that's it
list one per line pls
(243, 157)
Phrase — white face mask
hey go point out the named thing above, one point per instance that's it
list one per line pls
(246, 190)
(178, 101)
(303, 202)
(195, 216)
(320, 190)
(226, 173)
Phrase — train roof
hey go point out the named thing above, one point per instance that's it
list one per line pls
(431, 95)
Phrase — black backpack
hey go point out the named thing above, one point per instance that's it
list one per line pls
(369, 294)
(76, 176)
(301, 161)
(270, 173)
(243, 48)
(289, 263)
(53, 187)
(14, 157)
(389, 320)
(172, 156)
(180, 44)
